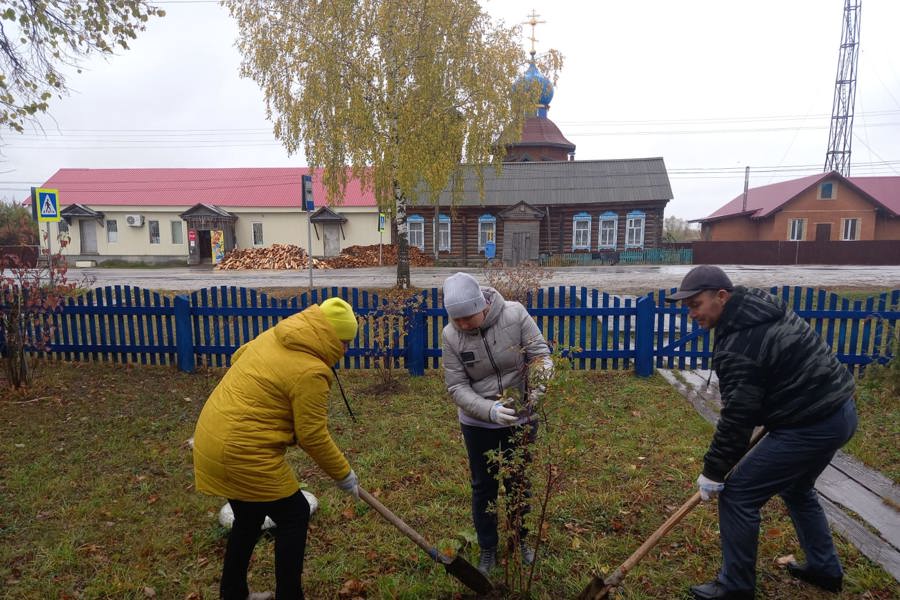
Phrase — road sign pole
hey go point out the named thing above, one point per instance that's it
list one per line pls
(309, 245)
(306, 201)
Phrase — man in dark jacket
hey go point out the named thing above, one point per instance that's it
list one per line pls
(776, 372)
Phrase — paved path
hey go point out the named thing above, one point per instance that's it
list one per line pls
(613, 279)
(846, 486)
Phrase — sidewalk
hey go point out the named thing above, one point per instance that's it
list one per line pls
(846, 487)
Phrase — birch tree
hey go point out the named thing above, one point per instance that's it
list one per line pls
(394, 93)
(38, 38)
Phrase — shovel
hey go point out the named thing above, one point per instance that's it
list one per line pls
(457, 566)
(598, 588)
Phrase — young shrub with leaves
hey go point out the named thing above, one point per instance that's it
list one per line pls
(532, 472)
(518, 282)
(383, 331)
(29, 297)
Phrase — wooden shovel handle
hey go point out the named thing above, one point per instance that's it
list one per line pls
(397, 522)
(676, 517)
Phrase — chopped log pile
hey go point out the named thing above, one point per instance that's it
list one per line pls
(367, 256)
(277, 256)
(291, 257)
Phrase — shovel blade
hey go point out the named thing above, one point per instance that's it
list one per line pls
(597, 589)
(468, 575)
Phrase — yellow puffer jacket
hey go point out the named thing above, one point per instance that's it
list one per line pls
(274, 395)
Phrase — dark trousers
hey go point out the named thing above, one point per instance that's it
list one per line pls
(786, 462)
(479, 441)
(291, 517)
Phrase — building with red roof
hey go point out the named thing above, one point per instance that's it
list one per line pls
(157, 215)
(820, 207)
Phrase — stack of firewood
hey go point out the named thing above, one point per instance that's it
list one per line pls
(290, 257)
(276, 256)
(367, 256)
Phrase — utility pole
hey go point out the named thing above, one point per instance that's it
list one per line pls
(840, 136)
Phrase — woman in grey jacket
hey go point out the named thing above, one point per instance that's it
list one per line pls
(488, 347)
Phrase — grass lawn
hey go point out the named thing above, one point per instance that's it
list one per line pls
(97, 498)
(877, 442)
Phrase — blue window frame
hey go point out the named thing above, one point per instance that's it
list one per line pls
(609, 230)
(634, 229)
(487, 230)
(415, 234)
(581, 231)
(444, 233)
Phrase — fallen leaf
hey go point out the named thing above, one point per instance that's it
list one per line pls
(149, 592)
(353, 589)
(783, 560)
(576, 543)
(349, 512)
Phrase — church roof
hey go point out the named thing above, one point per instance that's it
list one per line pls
(541, 131)
(594, 182)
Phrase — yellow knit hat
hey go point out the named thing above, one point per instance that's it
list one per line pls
(340, 315)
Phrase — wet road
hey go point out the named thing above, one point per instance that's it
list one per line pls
(617, 279)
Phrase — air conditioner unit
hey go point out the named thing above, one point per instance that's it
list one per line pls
(134, 220)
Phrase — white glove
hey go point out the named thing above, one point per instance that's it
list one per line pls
(502, 415)
(350, 484)
(708, 488)
(536, 393)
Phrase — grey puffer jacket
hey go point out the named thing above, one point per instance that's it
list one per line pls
(480, 364)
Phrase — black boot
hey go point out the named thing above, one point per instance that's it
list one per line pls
(714, 590)
(488, 560)
(829, 583)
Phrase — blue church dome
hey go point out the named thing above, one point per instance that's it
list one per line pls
(532, 74)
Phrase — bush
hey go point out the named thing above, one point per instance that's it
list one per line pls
(517, 283)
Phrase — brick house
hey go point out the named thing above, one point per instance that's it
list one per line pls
(820, 207)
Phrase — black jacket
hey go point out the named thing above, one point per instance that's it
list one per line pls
(773, 370)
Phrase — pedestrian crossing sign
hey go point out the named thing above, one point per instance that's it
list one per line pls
(47, 205)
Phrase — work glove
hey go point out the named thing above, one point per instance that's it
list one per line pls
(350, 484)
(502, 415)
(709, 489)
(536, 393)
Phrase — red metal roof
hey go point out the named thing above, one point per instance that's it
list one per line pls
(541, 131)
(764, 200)
(884, 189)
(230, 187)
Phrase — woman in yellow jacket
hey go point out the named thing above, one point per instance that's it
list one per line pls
(274, 395)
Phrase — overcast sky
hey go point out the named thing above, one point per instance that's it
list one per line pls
(711, 86)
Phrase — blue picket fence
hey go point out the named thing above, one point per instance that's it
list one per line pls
(595, 330)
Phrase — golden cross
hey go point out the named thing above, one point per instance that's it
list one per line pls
(533, 21)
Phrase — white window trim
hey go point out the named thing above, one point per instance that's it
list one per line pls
(262, 234)
(419, 225)
(790, 231)
(576, 220)
(441, 246)
(493, 236)
(615, 232)
(833, 190)
(150, 232)
(844, 223)
(629, 226)
(110, 231)
(172, 231)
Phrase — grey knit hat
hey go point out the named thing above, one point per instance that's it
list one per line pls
(462, 296)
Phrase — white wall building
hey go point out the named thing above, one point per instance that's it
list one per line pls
(191, 215)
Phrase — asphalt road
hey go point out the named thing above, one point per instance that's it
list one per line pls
(618, 279)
